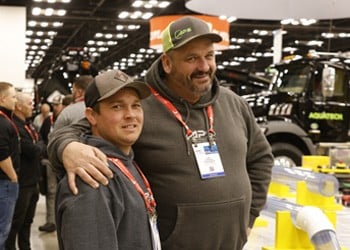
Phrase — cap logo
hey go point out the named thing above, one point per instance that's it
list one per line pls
(121, 76)
(179, 33)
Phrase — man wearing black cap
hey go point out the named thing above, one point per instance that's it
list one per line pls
(121, 214)
(206, 158)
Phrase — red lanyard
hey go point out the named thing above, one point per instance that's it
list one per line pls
(10, 120)
(147, 197)
(33, 134)
(51, 120)
(79, 99)
(176, 113)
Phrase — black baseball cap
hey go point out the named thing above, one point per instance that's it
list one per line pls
(110, 82)
(185, 29)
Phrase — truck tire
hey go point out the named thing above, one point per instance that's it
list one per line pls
(286, 154)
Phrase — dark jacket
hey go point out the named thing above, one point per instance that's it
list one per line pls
(32, 149)
(45, 130)
(111, 217)
(9, 142)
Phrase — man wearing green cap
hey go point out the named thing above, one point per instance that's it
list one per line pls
(207, 160)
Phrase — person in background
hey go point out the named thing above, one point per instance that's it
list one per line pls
(67, 100)
(9, 159)
(76, 111)
(117, 216)
(45, 111)
(29, 174)
(49, 174)
(207, 160)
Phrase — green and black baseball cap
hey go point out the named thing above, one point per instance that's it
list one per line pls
(185, 29)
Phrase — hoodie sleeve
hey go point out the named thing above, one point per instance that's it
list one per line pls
(90, 219)
(60, 138)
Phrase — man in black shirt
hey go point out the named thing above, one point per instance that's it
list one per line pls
(9, 159)
(29, 175)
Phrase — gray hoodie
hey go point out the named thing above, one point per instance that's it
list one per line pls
(111, 217)
(197, 213)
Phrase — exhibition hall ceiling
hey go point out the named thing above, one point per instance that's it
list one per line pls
(102, 34)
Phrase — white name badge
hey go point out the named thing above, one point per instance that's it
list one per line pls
(208, 160)
(154, 233)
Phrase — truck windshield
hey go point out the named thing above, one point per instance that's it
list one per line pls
(291, 79)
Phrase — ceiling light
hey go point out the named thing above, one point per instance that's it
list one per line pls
(147, 15)
(150, 4)
(307, 22)
(48, 12)
(234, 63)
(289, 49)
(111, 43)
(133, 27)
(32, 23)
(36, 11)
(334, 59)
(57, 24)
(328, 35)
(268, 54)
(234, 47)
(147, 5)
(123, 15)
(163, 4)
(108, 36)
(61, 12)
(136, 14)
(137, 4)
(343, 35)
(52, 1)
(228, 19)
(251, 59)
(315, 43)
(52, 33)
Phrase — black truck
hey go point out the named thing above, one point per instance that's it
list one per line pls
(306, 109)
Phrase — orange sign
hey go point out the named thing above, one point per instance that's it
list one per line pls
(158, 24)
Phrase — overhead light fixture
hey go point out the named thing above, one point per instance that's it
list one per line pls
(150, 4)
(52, 1)
(229, 19)
(301, 21)
(36, 11)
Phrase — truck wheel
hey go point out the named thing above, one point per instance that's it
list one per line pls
(286, 155)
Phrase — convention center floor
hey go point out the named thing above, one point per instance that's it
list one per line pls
(261, 236)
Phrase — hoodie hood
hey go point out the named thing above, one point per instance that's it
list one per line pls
(108, 148)
(155, 76)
